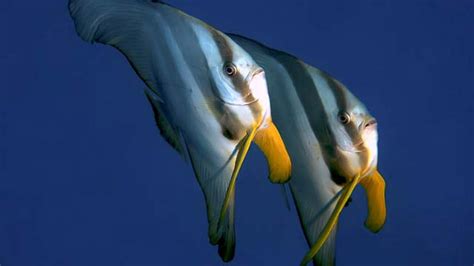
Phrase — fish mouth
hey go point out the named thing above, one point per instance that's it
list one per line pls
(254, 74)
(250, 96)
(369, 123)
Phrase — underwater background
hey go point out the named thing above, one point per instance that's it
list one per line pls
(86, 179)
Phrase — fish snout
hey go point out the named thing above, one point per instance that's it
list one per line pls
(372, 122)
(258, 84)
(258, 87)
(256, 72)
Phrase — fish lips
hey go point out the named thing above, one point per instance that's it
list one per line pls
(368, 134)
(257, 85)
(257, 88)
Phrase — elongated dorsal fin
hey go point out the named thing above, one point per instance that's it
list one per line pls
(124, 25)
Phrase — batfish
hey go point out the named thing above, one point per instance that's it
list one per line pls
(208, 95)
(332, 141)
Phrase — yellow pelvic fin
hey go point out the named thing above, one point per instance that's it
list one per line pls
(244, 148)
(323, 236)
(374, 186)
(270, 143)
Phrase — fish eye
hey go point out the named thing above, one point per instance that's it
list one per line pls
(230, 69)
(344, 117)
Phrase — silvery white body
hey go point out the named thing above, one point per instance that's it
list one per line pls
(304, 101)
(180, 58)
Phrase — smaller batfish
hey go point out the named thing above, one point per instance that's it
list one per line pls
(332, 141)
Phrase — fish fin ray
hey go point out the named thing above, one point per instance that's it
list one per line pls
(166, 130)
(214, 182)
(129, 26)
(284, 194)
(313, 220)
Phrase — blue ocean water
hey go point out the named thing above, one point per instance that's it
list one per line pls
(85, 178)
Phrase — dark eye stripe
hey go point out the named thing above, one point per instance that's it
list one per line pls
(223, 46)
(341, 100)
(238, 80)
(351, 128)
(230, 125)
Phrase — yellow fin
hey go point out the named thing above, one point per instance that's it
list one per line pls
(323, 236)
(279, 164)
(374, 186)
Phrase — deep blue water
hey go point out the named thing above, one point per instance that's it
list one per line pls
(85, 178)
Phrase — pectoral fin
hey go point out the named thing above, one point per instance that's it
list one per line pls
(374, 186)
(270, 143)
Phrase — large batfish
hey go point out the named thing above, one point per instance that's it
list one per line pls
(209, 96)
(332, 141)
